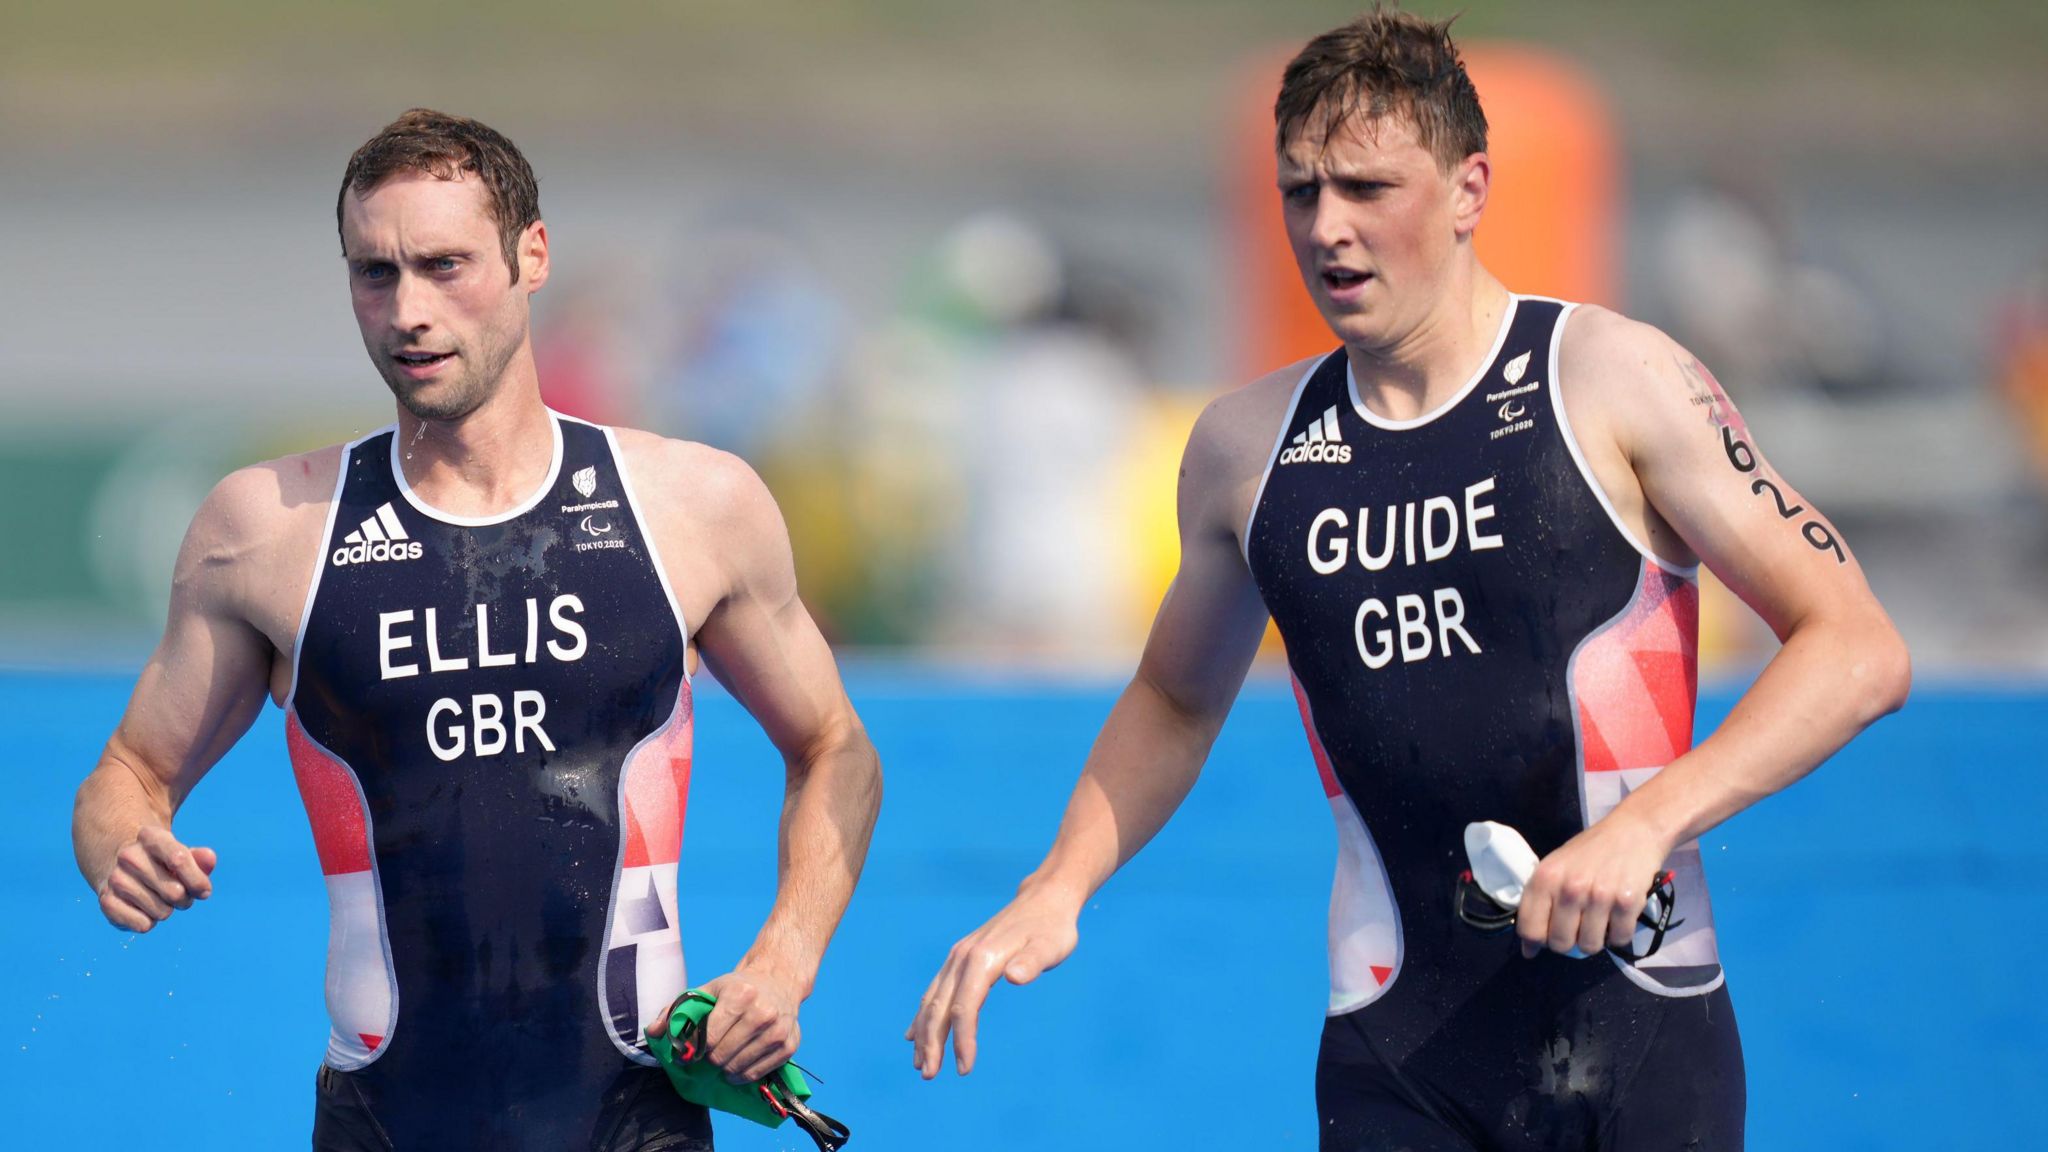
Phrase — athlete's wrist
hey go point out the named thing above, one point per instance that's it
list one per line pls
(1651, 816)
(799, 978)
(1056, 891)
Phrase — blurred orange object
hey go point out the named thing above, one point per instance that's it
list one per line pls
(2022, 357)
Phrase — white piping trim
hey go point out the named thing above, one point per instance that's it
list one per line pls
(633, 1052)
(1372, 847)
(1393, 907)
(1571, 442)
(1571, 691)
(1279, 441)
(653, 550)
(320, 557)
(420, 504)
(1668, 991)
(1571, 695)
(291, 697)
(377, 887)
(1500, 338)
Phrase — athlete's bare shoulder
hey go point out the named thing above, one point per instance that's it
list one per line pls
(254, 542)
(1607, 358)
(708, 484)
(1240, 424)
(1636, 400)
(713, 519)
(1231, 442)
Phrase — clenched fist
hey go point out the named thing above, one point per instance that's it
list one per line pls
(752, 1030)
(153, 876)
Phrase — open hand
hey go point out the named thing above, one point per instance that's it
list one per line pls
(1029, 936)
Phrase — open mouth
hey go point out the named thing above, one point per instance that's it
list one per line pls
(1341, 279)
(421, 363)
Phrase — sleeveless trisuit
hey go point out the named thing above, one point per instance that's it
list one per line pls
(490, 725)
(1474, 635)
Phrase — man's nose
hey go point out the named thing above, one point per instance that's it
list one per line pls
(409, 304)
(1328, 229)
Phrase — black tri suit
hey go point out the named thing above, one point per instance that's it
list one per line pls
(490, 725)
(1474, 635)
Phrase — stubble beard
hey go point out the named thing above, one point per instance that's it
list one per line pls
(445, 401)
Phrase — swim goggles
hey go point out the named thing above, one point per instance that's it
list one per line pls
(1489, 893)
(677, 1040)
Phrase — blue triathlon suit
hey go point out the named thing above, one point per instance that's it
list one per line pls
(490, 725)
(1475, 635)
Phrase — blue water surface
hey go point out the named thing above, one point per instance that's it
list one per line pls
(1879, 923)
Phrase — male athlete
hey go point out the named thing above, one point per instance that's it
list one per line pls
(481, 624)
(1477, 526)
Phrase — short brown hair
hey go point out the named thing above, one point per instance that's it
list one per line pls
(1385, 61)
(444, 146)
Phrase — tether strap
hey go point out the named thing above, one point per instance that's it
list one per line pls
(829, 1134)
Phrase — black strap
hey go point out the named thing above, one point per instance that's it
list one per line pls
(829, 1134)
(1470, 903)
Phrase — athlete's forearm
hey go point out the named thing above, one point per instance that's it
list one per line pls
(1830, 681)
(113, 803)
(1143, 764)
(828, 816)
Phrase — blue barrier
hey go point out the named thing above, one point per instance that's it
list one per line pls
(1877, 923)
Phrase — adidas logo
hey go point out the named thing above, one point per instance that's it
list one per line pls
(381, 537)
(1322, 443)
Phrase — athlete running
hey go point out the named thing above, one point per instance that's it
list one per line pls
(1476, 526)
(481, 624)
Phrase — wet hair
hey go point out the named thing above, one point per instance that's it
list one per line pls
(1384, 62)
(446, 147)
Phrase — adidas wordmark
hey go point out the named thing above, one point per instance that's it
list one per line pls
(1321, 443)
(380, 538)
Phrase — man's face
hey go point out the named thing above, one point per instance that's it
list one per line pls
(439, 313)
(1375, 223)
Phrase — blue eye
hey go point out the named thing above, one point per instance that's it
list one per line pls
(1299, 193)
(374, 272)
(444, 264)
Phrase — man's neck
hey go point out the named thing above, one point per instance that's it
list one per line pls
(484, 463)
(1428, 364)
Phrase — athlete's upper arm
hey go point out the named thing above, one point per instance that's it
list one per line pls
(758, 638)
(1211, 620)
(208, 677)
(1703, 473)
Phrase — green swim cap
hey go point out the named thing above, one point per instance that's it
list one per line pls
(677, 1040)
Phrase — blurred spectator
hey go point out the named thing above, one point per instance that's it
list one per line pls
(1051, 403)
(1745, 302)
(761, 339)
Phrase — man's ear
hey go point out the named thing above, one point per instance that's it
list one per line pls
(1470, 182)
(533, 255)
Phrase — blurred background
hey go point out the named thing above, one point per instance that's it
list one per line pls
(956, 277)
